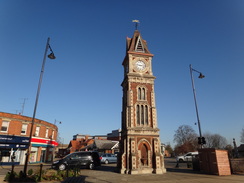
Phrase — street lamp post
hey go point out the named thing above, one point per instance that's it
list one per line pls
(201, 139)
(51, 56)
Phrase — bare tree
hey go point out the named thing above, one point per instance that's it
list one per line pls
(242, 135)
(186, 139)
(215, 141)
(184, 134)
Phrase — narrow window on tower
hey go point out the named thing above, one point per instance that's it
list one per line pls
(142, 115)
(143, 93)
(146, 115)
(138, 114)
(139, 93)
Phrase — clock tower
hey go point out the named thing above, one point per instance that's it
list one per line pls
(140, 147)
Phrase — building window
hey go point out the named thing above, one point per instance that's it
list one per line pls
(53, 134)
(146, 115)
(37, 131)
(142, 115)
(138, 114)
(5, 125)
(24, 129)
(141, 93)
(46, 133)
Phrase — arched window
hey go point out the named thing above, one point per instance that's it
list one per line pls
(139, 93)
(143, 94)
(138, 114)
(146, 115)
(142, 115)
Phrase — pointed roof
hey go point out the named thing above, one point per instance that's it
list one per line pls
(137, 44)
(74, 145)
(105, 144)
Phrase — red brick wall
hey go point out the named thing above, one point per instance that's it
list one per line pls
(16, 121)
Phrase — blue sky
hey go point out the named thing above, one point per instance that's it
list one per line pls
(82, 88)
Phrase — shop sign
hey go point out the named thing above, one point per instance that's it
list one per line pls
(15, 146)
(14, 139)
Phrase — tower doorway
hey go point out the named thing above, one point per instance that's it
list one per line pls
(144, 155)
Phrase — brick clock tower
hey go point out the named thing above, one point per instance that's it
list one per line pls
(140, 147)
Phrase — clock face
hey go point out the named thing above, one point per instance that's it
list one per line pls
(140, 65)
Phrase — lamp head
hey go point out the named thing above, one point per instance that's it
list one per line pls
(201, 76)
(51, 56)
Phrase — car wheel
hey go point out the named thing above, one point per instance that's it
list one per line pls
(106, 161)
(91, 166)
(62, 167)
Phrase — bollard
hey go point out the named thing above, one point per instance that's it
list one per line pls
(177, 165)
(40, 173)
(67, 172)
(12, 170)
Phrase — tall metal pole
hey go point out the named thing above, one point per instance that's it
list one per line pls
(34, 113)
(195, 99)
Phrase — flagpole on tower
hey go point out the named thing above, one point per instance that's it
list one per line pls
(51, 56)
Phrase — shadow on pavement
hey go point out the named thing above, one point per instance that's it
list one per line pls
(79, 179)
(107, 168)
(182, 170)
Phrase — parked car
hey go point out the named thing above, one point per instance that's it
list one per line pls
(186, 157)
(108, 158)
(88, 159)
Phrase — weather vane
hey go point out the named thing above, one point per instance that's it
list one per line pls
(137, 22)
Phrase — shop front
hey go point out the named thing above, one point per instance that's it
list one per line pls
(42, 150)
(13, 149)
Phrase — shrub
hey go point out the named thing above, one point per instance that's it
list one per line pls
(10, 176)
(30, 172)
(34, 176)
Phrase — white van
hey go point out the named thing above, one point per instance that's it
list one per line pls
(186, 157)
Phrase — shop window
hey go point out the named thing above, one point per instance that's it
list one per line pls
(4, 152)
(5, 125)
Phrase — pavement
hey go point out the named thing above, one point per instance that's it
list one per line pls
(108, 174)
